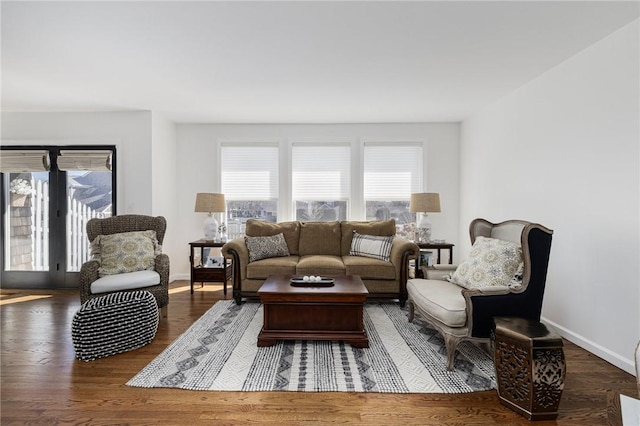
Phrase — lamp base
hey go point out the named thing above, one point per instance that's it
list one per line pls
(210, 227)
(424, 229)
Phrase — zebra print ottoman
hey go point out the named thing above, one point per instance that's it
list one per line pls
(114, 323)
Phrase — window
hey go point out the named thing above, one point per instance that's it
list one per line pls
(49, 193)
(391, 174)
(250, 184)
(321, 181)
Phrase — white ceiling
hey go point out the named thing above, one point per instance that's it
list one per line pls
(289, 62)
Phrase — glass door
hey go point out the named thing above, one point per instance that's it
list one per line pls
(45, 212)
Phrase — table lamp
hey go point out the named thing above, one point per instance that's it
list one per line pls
(424, 202)
(210, 203)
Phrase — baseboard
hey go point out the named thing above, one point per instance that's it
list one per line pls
(621, 362)
(177, 277)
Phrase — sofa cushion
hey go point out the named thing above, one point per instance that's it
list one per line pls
(369, 268)
(125, 252)
(127, 281)
(373, 227)
(491, 262)
(371, 246)
(440, 299)
(319, 238)
(263, 269)
(290, 230)
(266, 247)
(320, 265)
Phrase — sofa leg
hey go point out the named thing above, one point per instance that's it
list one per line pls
(164, 311)
(412, 310)
(237, 298)
(402, 301)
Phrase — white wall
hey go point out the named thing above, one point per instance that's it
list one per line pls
(563, 150)
(129, 131)
(198, 160)
(164, 183)
(146, 156)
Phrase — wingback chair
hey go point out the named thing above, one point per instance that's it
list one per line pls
(460, 313)
(156, 282)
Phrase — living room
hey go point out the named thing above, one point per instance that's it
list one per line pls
(559, 147)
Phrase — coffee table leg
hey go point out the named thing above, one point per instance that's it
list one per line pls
(265, 341)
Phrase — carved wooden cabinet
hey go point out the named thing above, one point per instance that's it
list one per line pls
(530, 367)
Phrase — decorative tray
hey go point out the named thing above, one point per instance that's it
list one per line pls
(300, 282)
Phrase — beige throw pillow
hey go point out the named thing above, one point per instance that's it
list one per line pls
(371, 246)
(126, 252)
(491, 262)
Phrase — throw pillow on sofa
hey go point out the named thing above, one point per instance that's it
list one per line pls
(126, 252)
(266, 247)
(491, 262)
(371, 246)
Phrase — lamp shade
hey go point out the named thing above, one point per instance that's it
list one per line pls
(209, 203)
(425, 202)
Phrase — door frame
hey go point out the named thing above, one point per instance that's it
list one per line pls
(56, 277)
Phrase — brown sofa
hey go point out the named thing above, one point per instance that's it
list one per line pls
(322, 248)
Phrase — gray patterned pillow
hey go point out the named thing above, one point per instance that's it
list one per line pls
(371, 246)
(266, 247)
(125, 252)
(491, 262)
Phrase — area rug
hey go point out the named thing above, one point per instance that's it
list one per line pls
(218, 352)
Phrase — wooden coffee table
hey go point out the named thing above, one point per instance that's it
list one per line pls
(313, 313)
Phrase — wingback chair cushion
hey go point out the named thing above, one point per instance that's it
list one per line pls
(128, 281)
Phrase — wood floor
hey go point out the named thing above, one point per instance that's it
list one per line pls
(42, 382)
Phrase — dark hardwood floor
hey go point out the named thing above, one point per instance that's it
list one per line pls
(42, 382)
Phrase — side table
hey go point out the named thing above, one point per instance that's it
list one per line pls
(202, 273)
(438, 247)
(530, 367)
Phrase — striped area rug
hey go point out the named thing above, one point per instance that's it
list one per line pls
(218, 352)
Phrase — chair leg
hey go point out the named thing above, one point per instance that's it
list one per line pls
(164, 311)
(451, 344)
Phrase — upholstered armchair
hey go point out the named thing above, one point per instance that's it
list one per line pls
(155, 281)
(462, 313)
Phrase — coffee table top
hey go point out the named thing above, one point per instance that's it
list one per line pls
(344, 285)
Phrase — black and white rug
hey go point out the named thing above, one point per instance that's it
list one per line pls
(218, 352)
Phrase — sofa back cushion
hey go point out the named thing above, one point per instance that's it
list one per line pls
(320, 238)
(382, 228)
(290, 230)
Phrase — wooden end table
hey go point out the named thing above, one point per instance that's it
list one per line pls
(313, 313)
(438, 247)
(201, 273)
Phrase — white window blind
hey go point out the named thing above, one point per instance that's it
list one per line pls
(250, 172)
(24, 161)
(392, 172)
(321, 172)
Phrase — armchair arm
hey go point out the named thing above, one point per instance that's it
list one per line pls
(162, 267)
(485, 304)
(88, 274)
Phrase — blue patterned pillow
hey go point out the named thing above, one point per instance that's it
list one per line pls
(266, 247)
(371, 246)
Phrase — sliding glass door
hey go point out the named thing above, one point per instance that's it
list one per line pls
(48, 195)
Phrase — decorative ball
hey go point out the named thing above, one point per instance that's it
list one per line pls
(305, 278)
